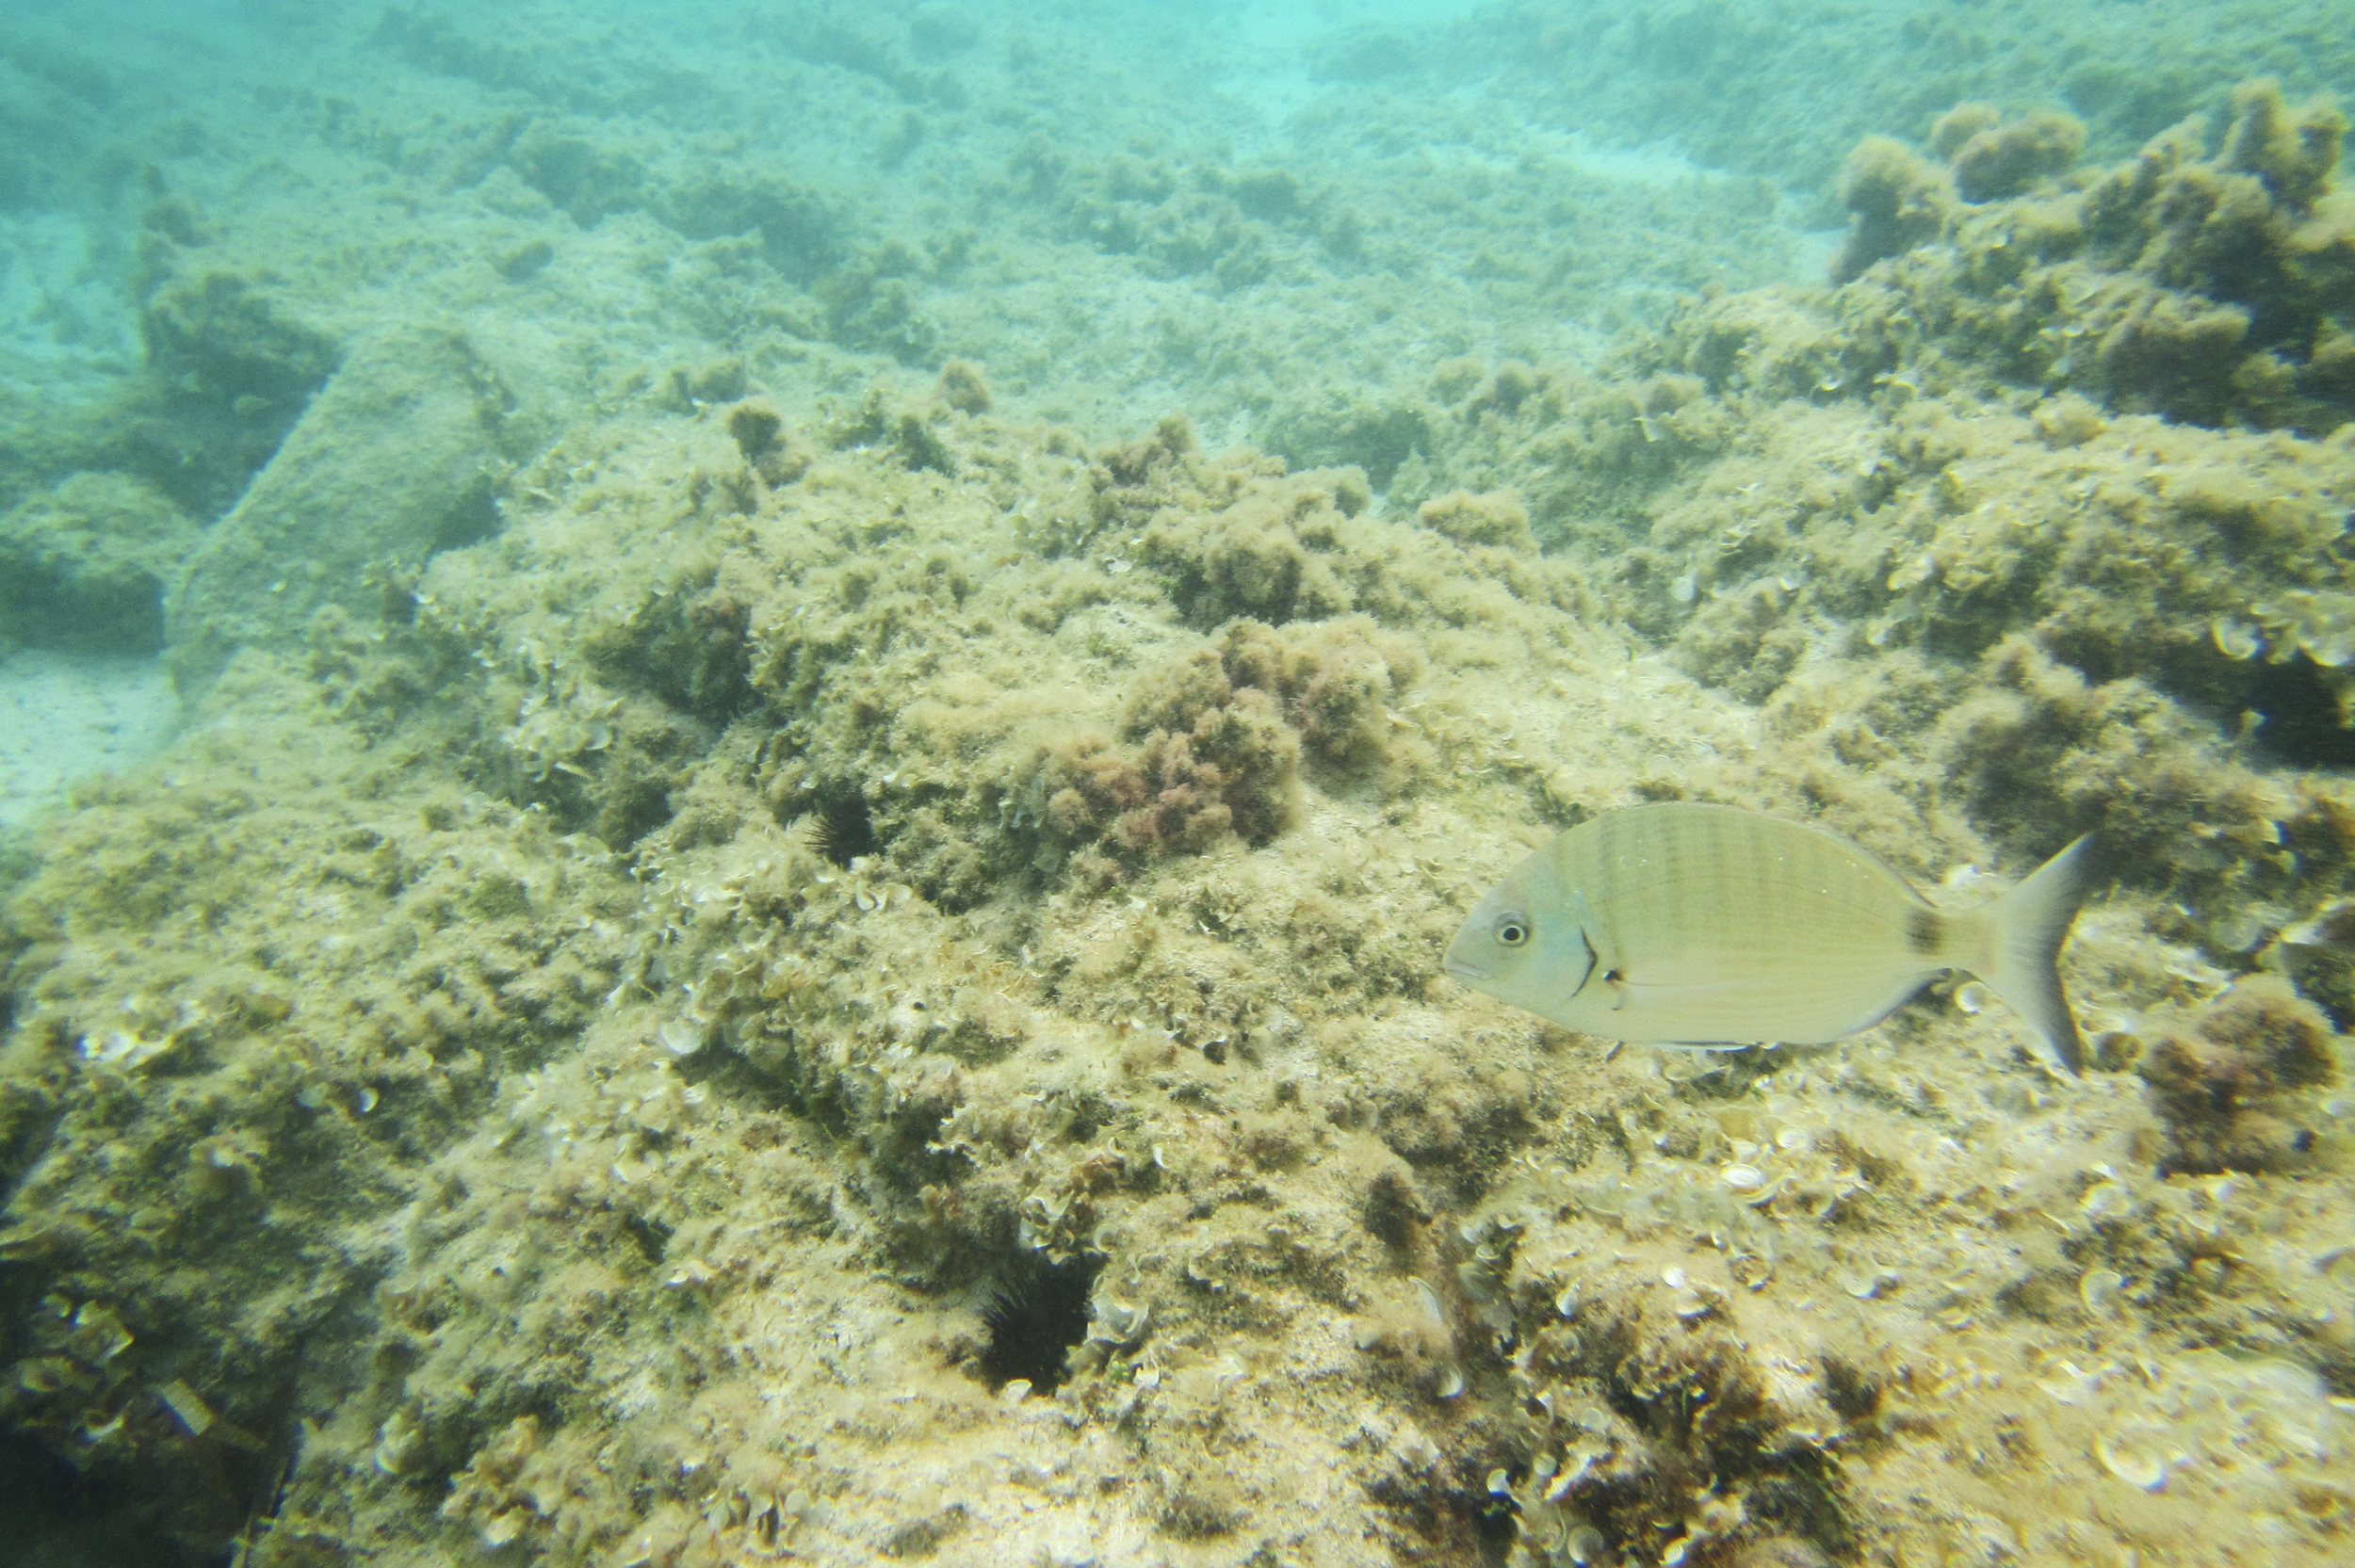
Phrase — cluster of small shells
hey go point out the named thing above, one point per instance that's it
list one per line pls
(2148, 1421)
(148, 1031)
(1117, 1323)
(2305, 1285)
(1053, 1223)
(553, 730)
(1580, 1435)
(763, 974)
(1115, 1345)
(762, 1523)
(1057, 1218)
(718, 943)
(622, 1119)
(858, 887)
(1488, 1239)
(560, 717)
(1770, 1163)
(70, 1367)
(2316, 623)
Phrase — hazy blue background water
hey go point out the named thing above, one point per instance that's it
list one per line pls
(910, 116)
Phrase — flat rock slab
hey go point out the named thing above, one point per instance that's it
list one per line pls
(392, 460)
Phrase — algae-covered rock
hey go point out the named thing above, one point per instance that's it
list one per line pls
(2206, 284)
(258, 996)
(83, 567)
(858, 979)
(396, 459)
(1996, 160)
(1025, 993)
(1896, 200)
(232, 357)
(2224, 1085)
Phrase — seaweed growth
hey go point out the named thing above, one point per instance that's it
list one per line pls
(2212, 287)
(1214, 743)
(2224, 1087)
(1641, 1433)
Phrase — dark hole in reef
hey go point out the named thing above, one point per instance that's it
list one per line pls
(1392, 1212)
(2304, 726)
(1853, 1393)
(55, 1513)
(1035, 1315)
(1804, 1498)
(844, 831)
(698, 661)
(652, 1237)
(1495, 1523)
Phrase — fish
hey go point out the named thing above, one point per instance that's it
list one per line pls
(1683, 923)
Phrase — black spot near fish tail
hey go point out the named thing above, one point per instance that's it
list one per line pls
(1925, 931)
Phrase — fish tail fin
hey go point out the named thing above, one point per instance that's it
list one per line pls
(2023, 933)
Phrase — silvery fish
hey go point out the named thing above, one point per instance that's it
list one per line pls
(1703, 925)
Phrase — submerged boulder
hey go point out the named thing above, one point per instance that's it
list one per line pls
(394, 460)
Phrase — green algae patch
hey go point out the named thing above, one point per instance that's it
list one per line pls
(745, 918)
(2203, 279)
(87, 565)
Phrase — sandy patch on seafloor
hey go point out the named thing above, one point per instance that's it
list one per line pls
(64, 717)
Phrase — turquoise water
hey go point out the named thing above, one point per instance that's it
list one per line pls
(737, 741)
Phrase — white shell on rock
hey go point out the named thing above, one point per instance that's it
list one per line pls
(2134, 1456)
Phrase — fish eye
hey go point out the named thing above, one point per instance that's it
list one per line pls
(1512, 929)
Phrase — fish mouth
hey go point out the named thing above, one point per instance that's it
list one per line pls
(1463, 971)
